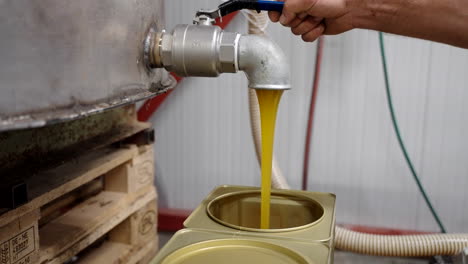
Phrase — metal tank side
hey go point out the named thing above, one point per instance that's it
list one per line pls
(61, 60)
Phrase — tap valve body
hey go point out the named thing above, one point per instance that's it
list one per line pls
(208, 51)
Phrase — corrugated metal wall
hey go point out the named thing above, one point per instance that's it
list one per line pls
(203, 134)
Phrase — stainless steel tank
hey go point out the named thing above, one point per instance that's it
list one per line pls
(63, 59)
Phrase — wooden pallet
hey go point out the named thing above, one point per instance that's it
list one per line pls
(107, 195)
(132, 241)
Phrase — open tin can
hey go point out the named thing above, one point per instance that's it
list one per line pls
(225, 229)
(297, 215)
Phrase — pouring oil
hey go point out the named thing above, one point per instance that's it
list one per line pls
(268, 101)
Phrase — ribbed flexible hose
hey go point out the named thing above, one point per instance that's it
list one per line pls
(397, 246)
(400, 246)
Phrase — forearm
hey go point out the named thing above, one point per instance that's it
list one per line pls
(443, 21)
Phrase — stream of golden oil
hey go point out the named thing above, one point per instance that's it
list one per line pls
(269, 102)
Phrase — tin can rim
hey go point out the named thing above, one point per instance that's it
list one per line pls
(273, 193)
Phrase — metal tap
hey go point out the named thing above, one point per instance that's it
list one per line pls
(205, 50)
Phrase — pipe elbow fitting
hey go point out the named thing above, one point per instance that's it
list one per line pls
(264, 63)
(207, 51)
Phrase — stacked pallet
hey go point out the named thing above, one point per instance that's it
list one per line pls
(98, 208)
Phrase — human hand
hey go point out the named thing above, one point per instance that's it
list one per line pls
(312, 18)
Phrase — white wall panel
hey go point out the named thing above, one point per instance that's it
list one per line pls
(203, 134)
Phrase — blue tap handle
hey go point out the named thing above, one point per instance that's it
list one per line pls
(259, 5)
(270, 5)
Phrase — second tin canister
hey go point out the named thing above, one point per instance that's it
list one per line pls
(190, 246)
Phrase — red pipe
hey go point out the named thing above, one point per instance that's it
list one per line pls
(310, 122)
(171, 220)
(152, 105)
(225, 21)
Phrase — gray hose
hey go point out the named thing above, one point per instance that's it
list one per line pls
(400, 246)
(379, 245)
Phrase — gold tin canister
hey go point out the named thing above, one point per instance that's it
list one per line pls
(295, 215)
(196, 247)
(225, 229)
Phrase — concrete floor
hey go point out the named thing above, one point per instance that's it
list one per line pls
(349, 258)
(340, 257)
(164, 237)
